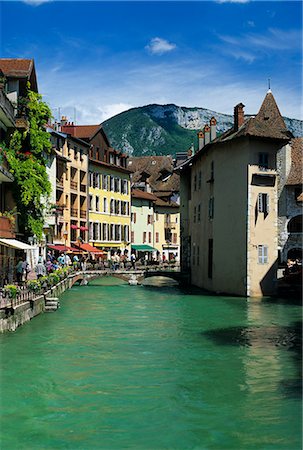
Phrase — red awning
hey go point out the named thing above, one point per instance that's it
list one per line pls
(60, 248)
(90, 248)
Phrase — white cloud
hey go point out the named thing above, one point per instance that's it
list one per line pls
(158, 46)
(36, 2)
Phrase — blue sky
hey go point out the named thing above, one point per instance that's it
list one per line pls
(104, 57)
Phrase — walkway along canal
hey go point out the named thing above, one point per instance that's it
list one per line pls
(142, 367)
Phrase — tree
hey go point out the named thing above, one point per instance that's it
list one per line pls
(26, 156)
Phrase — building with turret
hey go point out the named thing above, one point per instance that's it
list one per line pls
(229, 204)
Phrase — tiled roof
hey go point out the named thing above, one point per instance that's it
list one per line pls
(268, 123)
(137, 193)
(160, 202)
(16, 67)
(81, 131)
(155, 166)
(295, 175)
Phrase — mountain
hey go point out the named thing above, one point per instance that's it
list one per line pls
(167, 129)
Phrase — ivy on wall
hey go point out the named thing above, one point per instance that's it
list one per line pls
(25, 153)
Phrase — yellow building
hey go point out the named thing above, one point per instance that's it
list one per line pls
(108, 190)
(229, 207)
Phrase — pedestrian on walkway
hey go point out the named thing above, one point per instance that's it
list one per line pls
(40, 268)
(19, 271)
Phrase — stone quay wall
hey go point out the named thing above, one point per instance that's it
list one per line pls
(13, 317)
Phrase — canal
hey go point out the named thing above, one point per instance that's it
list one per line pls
(133, 367)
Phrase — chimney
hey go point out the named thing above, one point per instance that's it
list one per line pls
(63, 120)
(201, 139)
(213, 129)
(207, 134)
(238, 116)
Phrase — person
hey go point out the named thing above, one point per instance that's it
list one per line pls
(19, 271)
(145, 259)
(61, 260)
(133, 260)
(67, 260)
(40, 268)
(49, 266)
(83, 263)
(26, 269)
(75, 262)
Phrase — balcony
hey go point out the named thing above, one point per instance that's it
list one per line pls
(169, 224)
(6, 228)
(59, 184)
(82, 214)
(74, 185)
(74, 212)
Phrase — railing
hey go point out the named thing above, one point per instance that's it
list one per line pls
(74, 185)
(74, 212)
(170, 224)
(23, 296)
(59, 183)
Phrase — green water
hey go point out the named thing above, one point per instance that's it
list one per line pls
(132, 367)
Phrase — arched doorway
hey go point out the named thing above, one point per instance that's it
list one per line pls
(295, 224)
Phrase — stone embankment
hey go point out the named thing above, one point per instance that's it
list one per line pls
(15, 315)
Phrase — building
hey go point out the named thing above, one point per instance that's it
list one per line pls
(157, 172)
(229, 208)
(143, 223)
(109, 189)
(167, 229)
(290, 200)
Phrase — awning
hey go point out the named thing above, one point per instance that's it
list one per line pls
(62, 248)
(143, 248)
(90, 248)
(14, 243)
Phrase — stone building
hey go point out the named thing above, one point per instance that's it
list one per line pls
(229, 204)
(289, 160)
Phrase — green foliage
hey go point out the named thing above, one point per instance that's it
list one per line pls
(34, 286)
(54, 278)
(26, 158)
(11, 291)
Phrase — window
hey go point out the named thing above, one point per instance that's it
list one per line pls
(198, 255)
(105, 186)
(105, 205)
(90, 235)
(112, 203)
(263, 161)
(149, 219)
(132, 234)
(200, 180)
(112, 186)
(263, 203)
(149, 237)
(133, 217)
(195, 183)
(199, 213)
(157, 216)
(144, 237)
(90, 203)
(111, 232)
(212, 171)
(262, 254)
(104, 226)
(157, 237)
(211, 208)
(97, 203)
(210, 258)
(174, 238)
(195, 214)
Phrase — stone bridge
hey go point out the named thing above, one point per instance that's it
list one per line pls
(84, 277)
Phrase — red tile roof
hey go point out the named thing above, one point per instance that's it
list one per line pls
(137, 193)
(295, 175)
(80, 131)
(16, 67)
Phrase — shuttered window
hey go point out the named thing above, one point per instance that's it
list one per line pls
(262, 254)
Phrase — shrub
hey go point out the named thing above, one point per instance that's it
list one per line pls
(54, 278)
(34, 285)
(11, 291)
